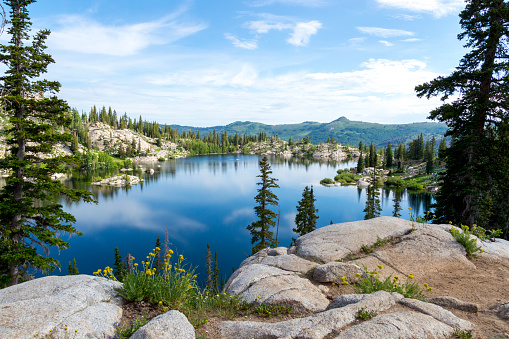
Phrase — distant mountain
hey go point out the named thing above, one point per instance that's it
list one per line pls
(345, 131)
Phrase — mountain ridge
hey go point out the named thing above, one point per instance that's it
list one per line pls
(344, 130)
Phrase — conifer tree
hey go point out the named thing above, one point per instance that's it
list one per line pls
(216, 285)
(388, 156)
(30, 217)
(157, 258)
(474, 185)
(397, 203)
(261, 235)
(373, 208)
(119, 268)
(73, 268)
(305, 220)
(208, 263)
(360, 164)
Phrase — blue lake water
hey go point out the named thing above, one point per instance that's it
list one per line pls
(208, 199)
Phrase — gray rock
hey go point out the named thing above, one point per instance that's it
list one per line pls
(290, 263)
(84, 303)
(292, 250)
(172, 324)
(277, 251)
(313, 327)
(345, 299)
(502, 309)
(499, 247)
(399, 325)
(424, 251)
(438, 313)
(334, 271)
(255, 258)
(454, 303)
(270, 285)
(334, 242)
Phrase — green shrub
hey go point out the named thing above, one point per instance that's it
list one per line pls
(372, 283)
(346, 178)
(326, 181)
(394, 182)
(465, 239)
(161, 159)
(414, 186)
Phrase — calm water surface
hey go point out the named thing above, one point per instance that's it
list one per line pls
(207, 199)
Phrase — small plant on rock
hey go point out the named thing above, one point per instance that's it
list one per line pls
(372, 283)
(365, 314)
(463, 334)
(464, 238)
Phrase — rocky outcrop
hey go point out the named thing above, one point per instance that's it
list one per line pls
(85, 306)
(172, 324)
(272, 286)
(118, 181)
(335, 242)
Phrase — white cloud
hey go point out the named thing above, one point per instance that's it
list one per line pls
(80, 34)
(411, 40)
(263, 26)
(241, 213)
(437, 8)
(386, 43)
(242, 43)
(384, 32)
(406, 17)
(303, 32)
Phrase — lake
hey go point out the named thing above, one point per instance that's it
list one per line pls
(208, 199)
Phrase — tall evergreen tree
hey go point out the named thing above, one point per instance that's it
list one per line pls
(216, 284)
(119, 268)
(157, 259)
(373, 208)
(73, 268)
(397, 203)
(474, 184)
(261, 235)
(360, 164)
(388, 156)
(208, 264)
(305, 220)
(30, 217)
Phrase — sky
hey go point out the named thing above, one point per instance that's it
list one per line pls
(209, 63)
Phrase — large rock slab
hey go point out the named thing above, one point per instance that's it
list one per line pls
(336, 241)
(172, 324)
(426, 251)
(438, 313)
(451, 302)
(270, 285)
(400, 325)
(290, 263)
(85, 303)
(314, 327)
(334, 271)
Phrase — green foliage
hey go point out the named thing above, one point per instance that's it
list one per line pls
(464, 237)
(372, 283)
(326, 181)
(73, 268)
(126, 330)
(463, 334)
(373, 207)
(305, 220)
(260, 229)
(394, 182)
(366, 314)
(346, 178)
(120, 268)
(475, 182)
(379, 243)
(29, 213)
(414, 186)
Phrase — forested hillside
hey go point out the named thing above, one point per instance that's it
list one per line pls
(343, 130)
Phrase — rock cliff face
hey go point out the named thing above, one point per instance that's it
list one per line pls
(468, 294)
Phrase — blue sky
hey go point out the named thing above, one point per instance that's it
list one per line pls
(206, 63)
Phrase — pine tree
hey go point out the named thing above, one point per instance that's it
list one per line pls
(261, 235)
(305, 220)
(29, 213)
(73, 268)
(474, 184)
(397, 203)
(373, 208)
(208, 263)
(216, 285)
(388, 156)
(119, 268)
(360, 164)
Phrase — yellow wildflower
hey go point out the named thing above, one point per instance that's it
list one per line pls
(135, 264)
(165, 309)
(410, 276)
(152, 254)
(358, 274)
(170, 251)
(160, 303)
(259, 297)
(380, 266)
(426, 285)
(181, 257)
(158, 249)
